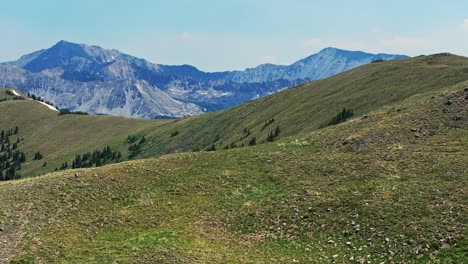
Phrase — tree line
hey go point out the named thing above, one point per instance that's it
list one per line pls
(11, 157)
(95, 158)
(40, 99)
(61, 111)
(11, 99)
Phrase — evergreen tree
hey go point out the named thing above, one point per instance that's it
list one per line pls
(342, 116)
(212, 148)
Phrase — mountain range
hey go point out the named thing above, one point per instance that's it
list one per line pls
(91, 79)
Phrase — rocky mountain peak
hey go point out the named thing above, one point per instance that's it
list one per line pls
(71, 57)
(97, 80)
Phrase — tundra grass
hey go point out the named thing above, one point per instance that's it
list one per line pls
(389, 186)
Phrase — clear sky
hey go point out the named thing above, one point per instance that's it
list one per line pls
(216, 35)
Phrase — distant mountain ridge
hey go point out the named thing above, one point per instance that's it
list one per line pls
(99, 81)
(327, 62)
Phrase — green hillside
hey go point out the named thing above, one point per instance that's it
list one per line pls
(60, 137)
(306, 107)
(388, 186)
(297, 110)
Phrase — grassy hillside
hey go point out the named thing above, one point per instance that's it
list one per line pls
(306, 107)
(60, 137)
(11, 94)
(297, 110)
(389, 186)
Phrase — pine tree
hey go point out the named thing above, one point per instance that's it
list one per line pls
(22, 157)
(212, 148)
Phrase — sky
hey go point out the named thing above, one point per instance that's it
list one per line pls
(216, 35)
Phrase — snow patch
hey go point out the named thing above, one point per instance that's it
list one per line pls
(49, 106)
(15, 93)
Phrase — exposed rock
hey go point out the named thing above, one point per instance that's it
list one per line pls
(91, 79)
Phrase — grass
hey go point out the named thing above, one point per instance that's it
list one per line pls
(387, 187)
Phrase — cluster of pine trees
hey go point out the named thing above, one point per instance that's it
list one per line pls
(40, 99)
(96, 158)
(37, 156)
(134, 149)
(232, 145)
(68, 112)
(10, 157)
(342, 116)
(245, 134)
(14, 97)
(131, 139)
(272, 135)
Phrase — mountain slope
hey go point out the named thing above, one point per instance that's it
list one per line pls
(297, 110)
(390, 187)
(99, 81)
(306, 107)
(91, 79)
(61, 137)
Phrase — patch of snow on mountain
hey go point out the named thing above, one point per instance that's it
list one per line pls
(15, 93)
(49, 106)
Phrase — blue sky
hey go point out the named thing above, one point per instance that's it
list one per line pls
(216, 35)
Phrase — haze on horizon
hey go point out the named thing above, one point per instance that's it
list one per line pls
(234, 35)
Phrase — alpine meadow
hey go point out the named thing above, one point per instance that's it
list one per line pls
(340, 157)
